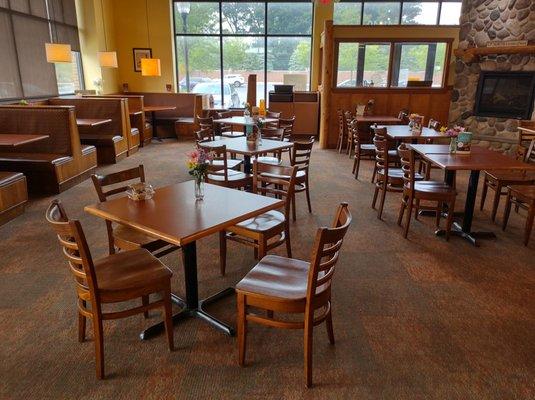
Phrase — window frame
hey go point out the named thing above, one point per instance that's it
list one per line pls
(400, 17)
(392, 42)
(265, 35)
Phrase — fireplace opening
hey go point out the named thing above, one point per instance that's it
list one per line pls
(505, 95)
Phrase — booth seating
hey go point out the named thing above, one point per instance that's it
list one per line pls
(51, 165)
(138, 121)
(13, 195)
(179, 122)
(110, 139)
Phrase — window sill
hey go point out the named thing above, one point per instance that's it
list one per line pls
(392, 90)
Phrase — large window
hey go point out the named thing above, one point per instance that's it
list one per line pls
(383, 12)
(25, 27)
(385, 64)
(220, 43)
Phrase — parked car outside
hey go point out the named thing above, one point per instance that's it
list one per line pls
(193, 80)
(232, 99)
(235, 80)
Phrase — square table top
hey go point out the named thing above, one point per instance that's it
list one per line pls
(15, 139)
(92, 122)
(439, 148)
(243, 121)
(174, 216)
(240, 145)
(379, 119)
(398, 132)
(478, 159)
(158, 108)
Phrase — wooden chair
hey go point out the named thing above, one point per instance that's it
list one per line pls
(300, 158)
(404, 116)
(434, 124)
(117, 278)
(498, 180)
(348, 118)
(393, 157)
(341, 131)
(288, 125)
(206, 123)
(119, 236)
(522, 196)
(226, 130)
(273, 114)
(219, 171)
(414, 190)
(362, 149)
(525, 137)
(206, 135)
(258, 232)
(290, 286)
(271, 134)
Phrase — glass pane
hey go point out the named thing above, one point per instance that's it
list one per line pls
(419, 13)
(381, 13)
(242, 56)
(288, 62)
(38, 8)
(199, 63)
(347, 13)
(363, 65)
(9, 74)
(450, 13)
(200, 18)
(420, 64)
(243, 17)
(290, 18)
(68, 75)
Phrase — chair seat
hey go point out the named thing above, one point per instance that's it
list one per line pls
(232, 174)
(231, 163)
(397, 173)
(510, 176)
(129, 270)
(367, 147)
(524, 192)
(232, 134)
(269, 160)
(263, 222)
(133, 236)
(275, 276)
(433, 187)
(393, 153)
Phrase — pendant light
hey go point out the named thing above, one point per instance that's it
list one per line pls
(106, 59)
(57, 52)
(150, 66)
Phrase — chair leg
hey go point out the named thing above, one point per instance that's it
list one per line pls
(374, 173)
(145, 302)
(416, 209)
(308, 351)
(99, 344)
(307, 192)
(484, 194)
(222, 252)
(438, 213)
(507, 211)
(168, 318)
(242, 328)
(402, 209)
(496, 201)
(329, 326)
(262, 247)
(81, 325)
(375, 196)
(288, 241)
(382, 202)
(529, 224)
(294, 212)
(409, 216)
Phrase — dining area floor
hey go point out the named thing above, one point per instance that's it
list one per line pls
(416, 318)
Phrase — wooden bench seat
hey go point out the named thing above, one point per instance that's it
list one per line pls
(111, 148)
(13, 195)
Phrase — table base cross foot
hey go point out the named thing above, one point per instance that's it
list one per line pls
(472, 237)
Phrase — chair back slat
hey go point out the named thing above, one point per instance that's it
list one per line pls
(301, 153)
(204, 135)
(325, 254)
(272, 133)
(288, 125)
(275, 181)
(102, 181)
(530, 153)
(218, 165)
(408, 161)
(341, 125)
(381, 149)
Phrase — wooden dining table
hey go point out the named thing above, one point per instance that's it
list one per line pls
(479, 159)
(92, 122)
(243, 121)
(240, 145)
(154, 121)
(173, 215)
(18, 139)
(404, 133)
(378, 119)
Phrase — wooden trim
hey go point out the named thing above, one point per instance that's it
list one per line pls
(472, 54)
(423, 90)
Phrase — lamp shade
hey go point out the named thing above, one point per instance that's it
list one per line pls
(151, 67)
(107, 59)
(58, 53)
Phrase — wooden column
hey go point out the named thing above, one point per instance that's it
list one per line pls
(251, 90)
(326, 83)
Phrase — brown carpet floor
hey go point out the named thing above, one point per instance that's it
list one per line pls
(414, 319)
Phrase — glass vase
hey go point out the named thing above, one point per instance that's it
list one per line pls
(453, 145)
(199, 188)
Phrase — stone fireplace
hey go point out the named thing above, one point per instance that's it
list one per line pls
(483, 21)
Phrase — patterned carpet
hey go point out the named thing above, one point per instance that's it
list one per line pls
(414, 319)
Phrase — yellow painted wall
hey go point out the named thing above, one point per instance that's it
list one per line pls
(130, 19)
(322, 13)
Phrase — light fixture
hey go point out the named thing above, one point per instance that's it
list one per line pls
(106, 59)
(58, 53)
(150, 66)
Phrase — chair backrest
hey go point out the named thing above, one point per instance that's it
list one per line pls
(272, 133)
(325, 255)
(381, 150)
(288, 125)
(356, 133)
(348, 117)
(434, 124)
(75, 249)
(120, 177)
(218, 166)
(341, 124)
(273, 114)
(206, 123)
(530, 154)
(224, 114)
(404, 116)
(204, 135)
(407, 165)
(301, 153)
(275, 180)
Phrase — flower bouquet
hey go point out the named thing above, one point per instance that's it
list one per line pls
(198, 162)
(452, 133)
(416, 122)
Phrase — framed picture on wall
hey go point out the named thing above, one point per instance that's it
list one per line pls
(140, 53)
